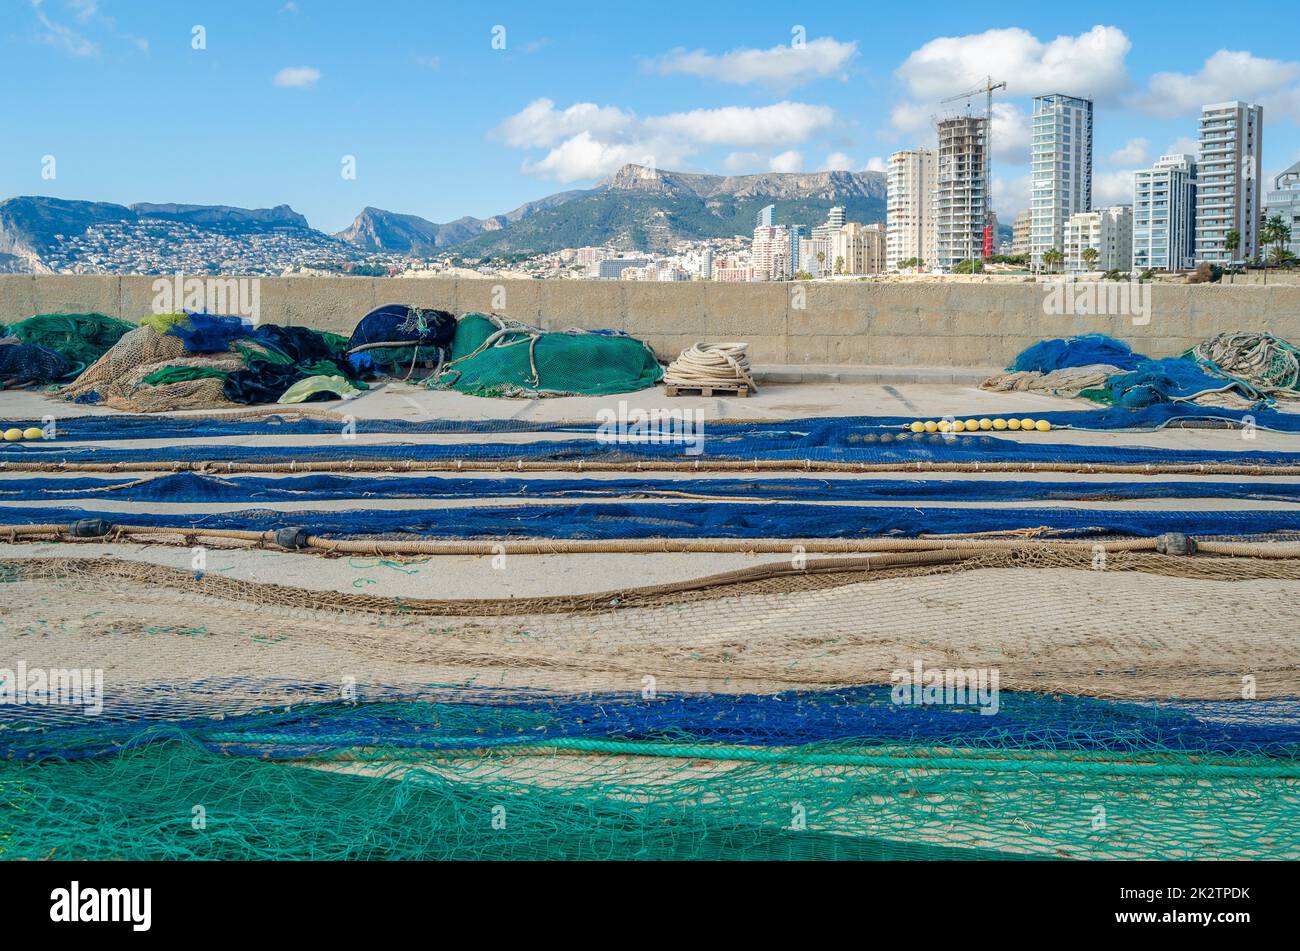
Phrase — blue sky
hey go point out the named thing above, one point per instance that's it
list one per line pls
(443, 121)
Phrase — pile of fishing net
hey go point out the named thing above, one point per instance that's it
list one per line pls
(395, 340)
(197, 361)
(497, 356)
(48, 348)
(1234, 370)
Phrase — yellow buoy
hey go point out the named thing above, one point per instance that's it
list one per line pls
(917, 427)
(1042, 426)
(986, 423)
(931, 426)
(13, 434)
(33, 432)
(1026, 423)
(999, 423)
(945, 426)
(1013, 424)
(958, 426)
(972, 425)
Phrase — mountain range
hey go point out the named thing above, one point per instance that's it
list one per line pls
(638, 208)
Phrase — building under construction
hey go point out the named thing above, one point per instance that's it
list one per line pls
(960, 194)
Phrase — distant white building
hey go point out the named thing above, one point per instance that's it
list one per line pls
(611, 269)
(858, 249)
(1229, 185)
(910, 184)
(1109, 231)
(770, 252)
(1164, 215)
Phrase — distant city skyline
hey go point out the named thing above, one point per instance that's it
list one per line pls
(455, 110)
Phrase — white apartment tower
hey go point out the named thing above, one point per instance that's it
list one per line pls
(1109, 231)
(1229, 181)
(959, 190)
(1164, 214)
(910, 186)
(1060, 170)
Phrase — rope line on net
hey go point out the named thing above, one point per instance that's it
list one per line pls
(852, 570)
(649, 465)
(766, 755)
(978, 543)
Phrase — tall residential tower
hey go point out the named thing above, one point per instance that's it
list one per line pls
(910, 186)
(1061, 169)
(1164, 214)
(1229, 182)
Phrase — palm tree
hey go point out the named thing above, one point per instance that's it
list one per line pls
(1052, 257)
(1090, 256)
(1231, 242)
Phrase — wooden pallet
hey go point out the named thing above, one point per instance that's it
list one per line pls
(740, 390)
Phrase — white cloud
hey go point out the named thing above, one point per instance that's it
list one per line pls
(789, 161)
(1010, 196)
(1183, 145)
(838, 162)
(297, 77)
(1112, 188)
(780, 123)
(1227, 75)
(909, 118)
(740, 163)
(589, 141)
(585, 156)
(1135, 152)
(1090, 64)
(1011, 135)
(877, 164)
(62, 36)
(781, 66)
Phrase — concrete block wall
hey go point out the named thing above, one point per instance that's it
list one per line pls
(924, 324)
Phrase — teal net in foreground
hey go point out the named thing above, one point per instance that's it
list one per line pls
(707, 777)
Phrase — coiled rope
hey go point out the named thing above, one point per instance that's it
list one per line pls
(711, 364)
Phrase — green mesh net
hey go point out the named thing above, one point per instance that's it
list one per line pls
(171, 798)
(81, 338)
(495, 356)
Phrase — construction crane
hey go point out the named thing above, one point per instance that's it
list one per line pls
(988, 89)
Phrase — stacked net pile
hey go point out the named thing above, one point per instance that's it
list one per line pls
(201, 361)
(497, 356)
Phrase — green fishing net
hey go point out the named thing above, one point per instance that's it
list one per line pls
(81, 338)
(494, 356)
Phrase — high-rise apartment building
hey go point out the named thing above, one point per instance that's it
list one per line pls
(1060, 169)
(1284, 200)
(909, 215)
(766, 217)
(770, 252)
(1108, 231)
(1164, 214)
(960, 190)
(1228, 181)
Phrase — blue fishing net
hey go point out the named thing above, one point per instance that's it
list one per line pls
(195, 487)
(1048, 355)
(626, 520)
